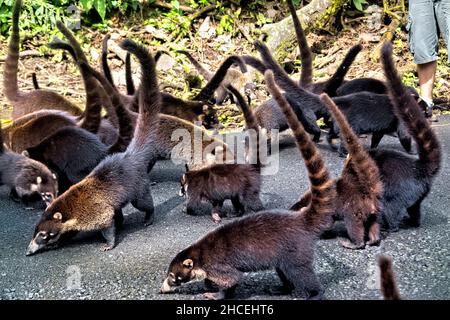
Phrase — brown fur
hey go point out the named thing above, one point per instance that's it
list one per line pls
(387, 279)
(278, 239)
(27, 102)
(241, 183)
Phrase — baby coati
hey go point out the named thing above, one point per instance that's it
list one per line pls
(279, 239)
(27, 102)
(233, 77)
(366, 112)
(359, 188)
(73, 152)
(240, 183)
(117, 180)
(407, 179)
(26, 177)
(387, 279)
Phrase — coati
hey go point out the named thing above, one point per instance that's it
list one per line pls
(26, 177)
(240, 183)
(387, 279)
(73, 152)
(117, 180)
(27, 102)
(279, 239)
(407, 179)
(232, 77)
(359, 188)
(366, 112)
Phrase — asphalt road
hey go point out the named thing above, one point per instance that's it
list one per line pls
(137, 266)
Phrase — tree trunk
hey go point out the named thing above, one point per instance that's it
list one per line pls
(317, 14)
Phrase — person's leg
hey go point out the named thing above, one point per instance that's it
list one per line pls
(423, 43)
(442, 9)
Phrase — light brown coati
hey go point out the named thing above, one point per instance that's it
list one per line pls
(233, 77)
(73, 152)
(26, 177)
(240, 183)
(359, 188)
(119, 179)
(27, 102)
(387, 279)
(279, 239)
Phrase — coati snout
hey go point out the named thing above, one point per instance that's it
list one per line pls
(47, 232)
(180, 272)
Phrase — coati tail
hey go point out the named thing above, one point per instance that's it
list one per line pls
(2, 145)
(149, 99)
(10, 85)
(407, 109)
(73, 42)
(323, 191)
(35, 81)
(105, 66)
(336, 80)
(250, 120)
(305, 51)
(208, 91)
(129, 75)
(205, 73)
(388, 285)
(126, 128)
(255, 63)
(364, 166)
(58, 44)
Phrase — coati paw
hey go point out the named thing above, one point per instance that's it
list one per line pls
(106, 247)
(375, 242)
(213, 295)
(216, 217)
(349, 245)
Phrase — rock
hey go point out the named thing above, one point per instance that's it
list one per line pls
(165, 62)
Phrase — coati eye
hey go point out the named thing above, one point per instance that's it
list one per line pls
(43, 235)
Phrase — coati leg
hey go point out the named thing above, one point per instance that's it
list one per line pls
(342, 151)
(374, 231)
(404, 137)
(287, 285)
(253, 203)
(14, 195)
(303, 202)
(302, 276)
(414, 214)
(109, 233)
(144, 202)
(355, 230)
(215, 213)
(226, 278)
(238, 206)
(118, 218)
(389, 216)
(376, 138)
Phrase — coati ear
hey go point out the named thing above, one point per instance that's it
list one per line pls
(57, 216)
(39, 180)
(25, 153)
(188, 263)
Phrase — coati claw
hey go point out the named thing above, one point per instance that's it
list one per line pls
(106, 248)
(216, 217)
(349, 245)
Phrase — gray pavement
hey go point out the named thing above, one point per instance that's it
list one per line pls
(136, 267)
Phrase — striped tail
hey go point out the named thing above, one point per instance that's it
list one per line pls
(305, 51)
(35, 81)
(73, 42)
(387, 279)
(408, 110)
(250, 120)
(105, 67)
(149, 102)
(126, 127)
(201, 69)
(208, 91)
(318, 214)
(92, 113)
(10, 85)
(336, 80)
(365, 167)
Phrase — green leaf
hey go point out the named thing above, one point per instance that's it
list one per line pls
(100, 6)
(87, 4)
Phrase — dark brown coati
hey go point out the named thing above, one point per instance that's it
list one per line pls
(366, 112)
(240, 183)
(73, 152)
(359, 188)
(388, 284)
(232, 77)
(27, 102)
(26, 177)
(279, 239)
(407, 179)
(119, 179)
